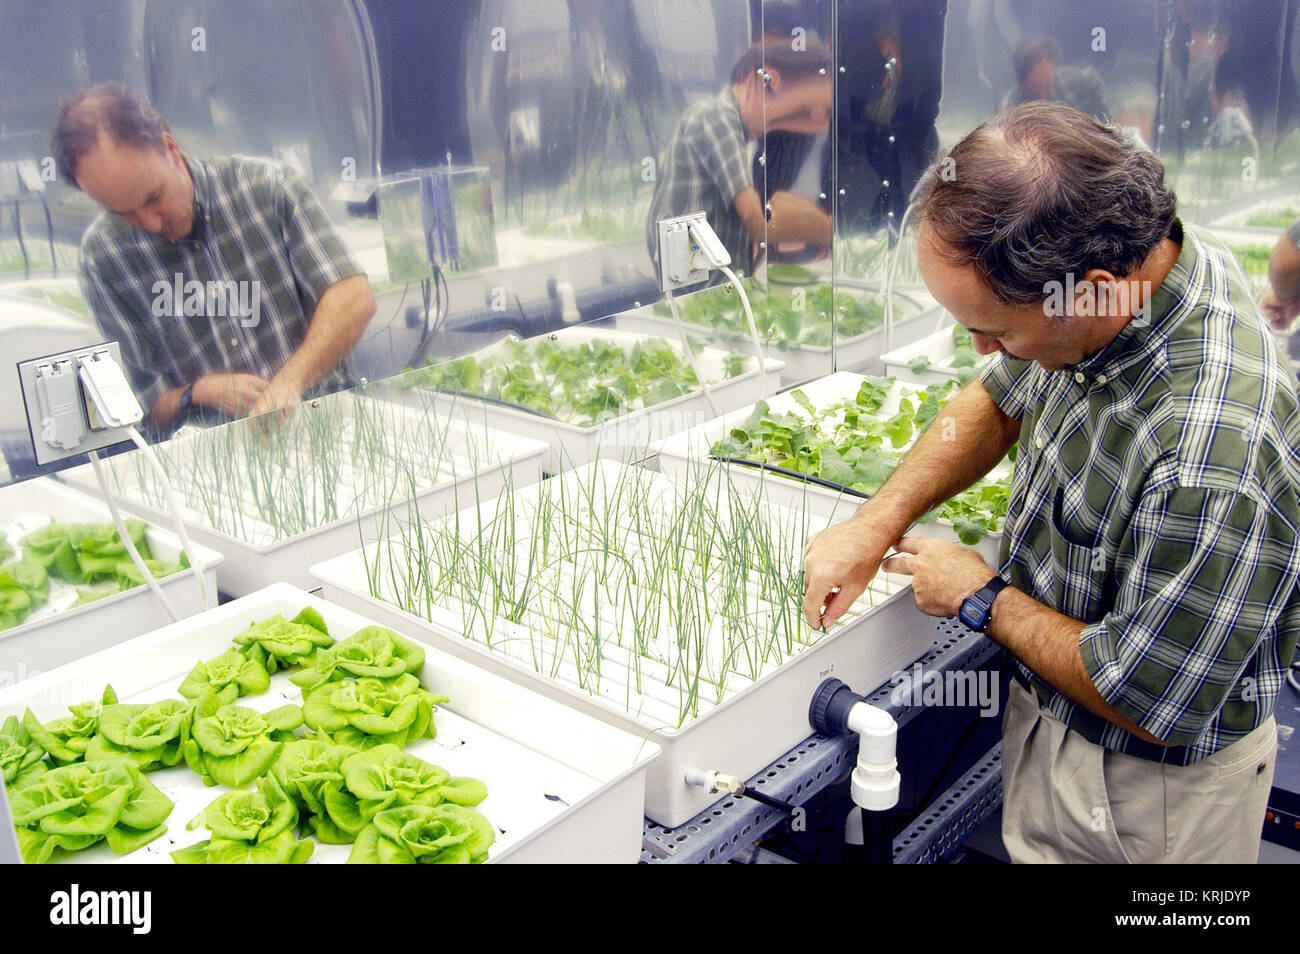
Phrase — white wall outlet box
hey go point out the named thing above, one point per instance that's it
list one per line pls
(61, 422)
(688, 251)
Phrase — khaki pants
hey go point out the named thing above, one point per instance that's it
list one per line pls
(1068, 800)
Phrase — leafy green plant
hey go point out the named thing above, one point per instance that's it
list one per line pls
(229, 676)
(23, 587)
(310, 771)
(233, 745)
(373, 652)
(374, 780)
(151, 735)
(847, 444)
(367, 712)
(1277, 219)
(66, 740)
(1254, 258)
(278, 643)
(248, 827)
(583, 384)
(75, 807)
(20, 752)
(419, 834)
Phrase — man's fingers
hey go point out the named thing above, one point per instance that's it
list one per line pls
(909, 544)
(898, 563)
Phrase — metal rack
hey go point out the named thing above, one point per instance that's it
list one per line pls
(732, 824)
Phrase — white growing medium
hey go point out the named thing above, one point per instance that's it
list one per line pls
(663, 596)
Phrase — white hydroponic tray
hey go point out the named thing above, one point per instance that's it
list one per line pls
(1238, 222)
(562, 787)
(802, 362)
(478, 461)
(756, 720)
(939, 348)
(683, 452)
(58, 631)
(572, 445)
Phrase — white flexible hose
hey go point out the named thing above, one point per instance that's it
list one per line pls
(690, 355)
(892, 257)
(174, 508)
(753, 329)
(126, 538)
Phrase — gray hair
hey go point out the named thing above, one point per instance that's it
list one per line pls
(1040, 191)
(113, 108)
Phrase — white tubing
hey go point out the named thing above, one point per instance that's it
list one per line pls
(126, 538)
(174, 507)
(690, 355)
(753, 330)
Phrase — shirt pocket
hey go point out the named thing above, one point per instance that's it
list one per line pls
(1080, 567)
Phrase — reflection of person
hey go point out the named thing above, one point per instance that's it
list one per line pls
(1038, 77)
(1281, 303)
(1151, 553)
(223, 280)
(706, 167)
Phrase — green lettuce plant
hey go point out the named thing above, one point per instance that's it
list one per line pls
(278, 643)
(373, 652)
(232, 745)
(23, 587)
(20, 753)
(152, 735)
(366, 712)
(74, 807)
(229, 676)
(386, 777)
(309, 770)
(248, 827)
(420, 834)
(66, 740)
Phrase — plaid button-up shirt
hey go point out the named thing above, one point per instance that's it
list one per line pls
(258, 226)
(707, 165)
(1155, 499)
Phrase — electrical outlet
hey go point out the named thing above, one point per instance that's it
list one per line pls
(62, 422)
(682, 262)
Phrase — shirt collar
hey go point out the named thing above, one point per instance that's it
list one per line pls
(1169, 304)
(202, 190)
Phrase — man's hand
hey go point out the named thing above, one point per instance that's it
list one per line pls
(278, 401)
(943, 574)
(1280, 314)
(839, 562)
(233, 394)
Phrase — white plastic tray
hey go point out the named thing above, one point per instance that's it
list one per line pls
(741, 734)
(801, 362)
(628, 435)
(938, 347)
(523, 746)
(254, 556)
(683, 451)
(58, 632)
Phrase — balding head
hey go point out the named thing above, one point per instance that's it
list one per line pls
(1042, 190)
(107, 109)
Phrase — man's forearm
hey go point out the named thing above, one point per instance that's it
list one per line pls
(795, 219)
(166, 410)
(340, 318)
(1048, 643)
(968, 438)
(1284, 269)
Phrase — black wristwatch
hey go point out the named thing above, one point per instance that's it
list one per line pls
(187, 400)
(977, 609)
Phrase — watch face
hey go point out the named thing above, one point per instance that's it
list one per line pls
(973, 613)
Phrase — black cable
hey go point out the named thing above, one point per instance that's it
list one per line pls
(786, 472)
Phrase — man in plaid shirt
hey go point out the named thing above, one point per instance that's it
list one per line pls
(223, 281)
(707, 165)
(1150, 557)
